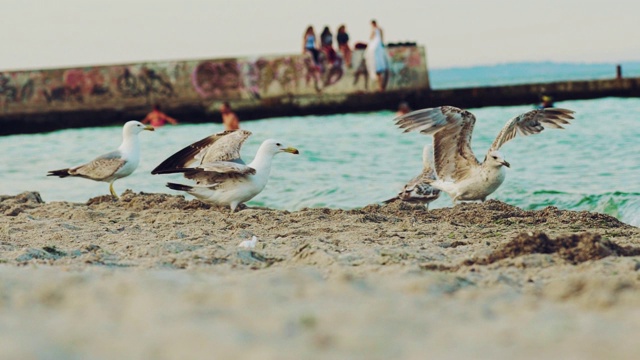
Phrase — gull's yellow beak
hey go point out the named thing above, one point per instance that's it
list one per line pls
(150, 128)
(291, 150)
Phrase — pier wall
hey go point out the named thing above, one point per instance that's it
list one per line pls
(258, 88)
(103, 94)
(475, 97)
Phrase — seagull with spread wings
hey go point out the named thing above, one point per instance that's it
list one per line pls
(419, 190)
(114, 165)
(458, 172)
(221, 177)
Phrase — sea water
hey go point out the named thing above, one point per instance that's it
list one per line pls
(352, 160)
(526, 73)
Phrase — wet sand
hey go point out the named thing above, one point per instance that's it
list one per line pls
(158, 276)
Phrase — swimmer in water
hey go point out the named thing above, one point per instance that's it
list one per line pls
(157, 118)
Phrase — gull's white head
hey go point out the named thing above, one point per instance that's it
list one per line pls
(135, 127)
(273, 147)
(494, 158)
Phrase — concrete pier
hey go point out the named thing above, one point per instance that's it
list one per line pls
(260, 87)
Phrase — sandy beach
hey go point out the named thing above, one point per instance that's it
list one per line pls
(158, 276)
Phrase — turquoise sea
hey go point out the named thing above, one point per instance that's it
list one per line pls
(527, 72)
(352, 160)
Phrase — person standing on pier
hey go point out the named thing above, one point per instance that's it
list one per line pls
(229, 118)
(157, 118)
(376, 57)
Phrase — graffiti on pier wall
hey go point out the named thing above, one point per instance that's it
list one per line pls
(404, 67)
(94, 87)
(217, 79)
(144, 83)
(74, 85)
(299, 75)
(184, 82)
(253, 78)
(13, 89)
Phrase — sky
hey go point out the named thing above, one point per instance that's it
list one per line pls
(38, 34)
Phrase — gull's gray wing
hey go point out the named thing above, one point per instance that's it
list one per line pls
(532, 122)
(225, 167)
(451, 129)
(224, 146)
(101, 168)
(218, 172)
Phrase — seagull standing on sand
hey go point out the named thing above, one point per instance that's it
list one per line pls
(458, 172)
(419, 189)
(114, 165)
(221, 177)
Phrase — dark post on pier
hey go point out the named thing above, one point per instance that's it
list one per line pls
(618, 72)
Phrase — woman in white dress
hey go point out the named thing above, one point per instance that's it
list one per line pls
(376, 57)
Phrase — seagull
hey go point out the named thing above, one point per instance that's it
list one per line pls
(458, 172)
(221, 177)
(419, 189)
(114, 165)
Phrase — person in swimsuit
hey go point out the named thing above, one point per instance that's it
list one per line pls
(157, 118)
(229, 118)
(326, 39)
(309, 43)
(403, 108)
(343, 44)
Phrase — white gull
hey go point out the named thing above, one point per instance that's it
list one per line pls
(221, 177)
(114, 165)
(458, 172)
